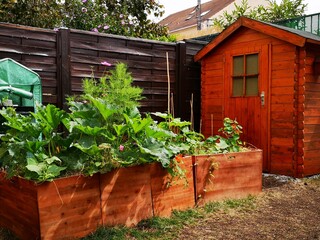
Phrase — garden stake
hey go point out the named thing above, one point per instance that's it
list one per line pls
(168, 73)
(211, 124)
(172, 105)
(191, 113)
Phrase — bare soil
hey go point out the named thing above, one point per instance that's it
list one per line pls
(287, 209)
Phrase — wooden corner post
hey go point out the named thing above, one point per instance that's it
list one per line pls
(180, 78)
(63, 74)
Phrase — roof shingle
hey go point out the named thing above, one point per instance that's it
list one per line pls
(187, 18)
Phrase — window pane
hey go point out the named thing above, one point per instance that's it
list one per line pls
(252, 64)
(237, 87)
(252, 86)
(238, 66)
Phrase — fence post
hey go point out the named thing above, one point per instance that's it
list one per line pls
(180, 98)
(64, 71)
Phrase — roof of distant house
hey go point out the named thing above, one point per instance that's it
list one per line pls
(188, 18)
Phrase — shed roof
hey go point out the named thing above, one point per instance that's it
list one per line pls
(293, 36)
(187, 18)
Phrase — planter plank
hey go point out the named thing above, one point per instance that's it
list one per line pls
(234, 175)
(19, 210)
(68, 203)
(63, 209)
(178, 196)
(126, 196)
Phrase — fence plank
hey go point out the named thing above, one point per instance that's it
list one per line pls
(66, 56)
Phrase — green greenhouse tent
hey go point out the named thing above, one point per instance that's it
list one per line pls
(19, 83)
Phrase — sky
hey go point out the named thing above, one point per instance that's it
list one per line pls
(172, 6)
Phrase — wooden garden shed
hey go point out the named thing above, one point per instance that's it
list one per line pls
(268, 78)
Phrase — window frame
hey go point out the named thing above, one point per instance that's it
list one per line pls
(244, 74)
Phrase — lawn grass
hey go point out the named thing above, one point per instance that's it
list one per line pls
(169, 228)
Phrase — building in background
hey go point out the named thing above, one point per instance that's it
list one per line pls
(184, 24)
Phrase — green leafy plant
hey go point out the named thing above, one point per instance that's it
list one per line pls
(102, 131)
(32, 144)
(115, 88)
(229, 142)
(135, 139)
(274, 11)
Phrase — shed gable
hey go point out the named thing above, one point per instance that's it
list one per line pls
(294, 37)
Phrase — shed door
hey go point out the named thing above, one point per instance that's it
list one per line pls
(246, 95)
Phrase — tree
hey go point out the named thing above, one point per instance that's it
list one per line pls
(37, 13)
(287, 9)
(122, 17)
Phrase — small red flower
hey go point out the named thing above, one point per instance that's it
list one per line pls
(179, 158)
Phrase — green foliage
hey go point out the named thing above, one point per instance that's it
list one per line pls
(116, 88)
(32, 144)
(231, 142)
(102, 131)
(285, 10)
(273, 12)
(37, 13)
(133, 139)
(128, 18)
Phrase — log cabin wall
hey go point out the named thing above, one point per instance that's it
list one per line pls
(282, 107)
(309, 151)
(299, 117)
(281, 74)
(288, 81)
(212, 94)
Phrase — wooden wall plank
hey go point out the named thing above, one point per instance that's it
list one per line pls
(25, 222)
(78, 201)
(128, 207)
(62, 68)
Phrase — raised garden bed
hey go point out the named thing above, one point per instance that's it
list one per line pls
(229, 175)
(75, 206)
(131, 158)
(176, 195)
(126, 196)
(65, 208)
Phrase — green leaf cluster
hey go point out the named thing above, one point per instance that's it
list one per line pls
(287, 9)
(103, 130)
(125, 17)
(115, 88)
(228, 142)
(32, 145)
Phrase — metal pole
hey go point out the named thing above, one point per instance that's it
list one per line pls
(199, 15)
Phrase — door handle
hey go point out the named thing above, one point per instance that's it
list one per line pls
(262, 98)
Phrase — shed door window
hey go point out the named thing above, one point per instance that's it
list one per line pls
(245, 75)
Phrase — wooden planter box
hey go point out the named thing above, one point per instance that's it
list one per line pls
(179, 196)
(72, 207)
(126, 196)
(231, 175)
(65, 208)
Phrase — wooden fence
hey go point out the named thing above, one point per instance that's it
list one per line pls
(64, 57)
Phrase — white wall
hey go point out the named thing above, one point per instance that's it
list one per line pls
(231, 7)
